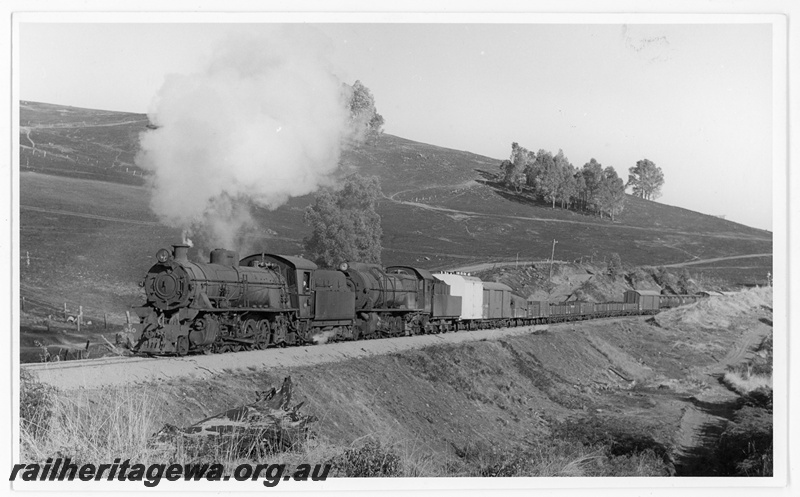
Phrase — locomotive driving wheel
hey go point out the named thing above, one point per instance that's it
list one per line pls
(249, 329)
(182, 346)
(262, 335)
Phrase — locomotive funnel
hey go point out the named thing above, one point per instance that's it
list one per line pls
(181, 251)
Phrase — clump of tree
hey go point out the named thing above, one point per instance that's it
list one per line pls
(365, 121)
(611, 194)
(589, 180)
(512, 177)
(646, 180)
(553, 179)
(345, 225)
(544, 176)
(514, 170)
(549, 177)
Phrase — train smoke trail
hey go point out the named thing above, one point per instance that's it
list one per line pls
(322, 338)
(263, 122)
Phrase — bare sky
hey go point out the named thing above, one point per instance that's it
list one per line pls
(696, 99)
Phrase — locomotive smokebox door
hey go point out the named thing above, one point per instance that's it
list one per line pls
(167, 285)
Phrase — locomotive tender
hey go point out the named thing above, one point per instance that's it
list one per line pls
(266, 300)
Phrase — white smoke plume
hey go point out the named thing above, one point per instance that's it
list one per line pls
(263, 122)
(323, 337)
(186, 240)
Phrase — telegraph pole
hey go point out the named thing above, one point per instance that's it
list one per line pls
(552, 256)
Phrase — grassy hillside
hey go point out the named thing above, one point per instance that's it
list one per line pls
(77, 142)
(447, 205)
(89, 235)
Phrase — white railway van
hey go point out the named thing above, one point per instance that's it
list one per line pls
(470, 289)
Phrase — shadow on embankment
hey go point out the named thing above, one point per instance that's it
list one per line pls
(707, 421)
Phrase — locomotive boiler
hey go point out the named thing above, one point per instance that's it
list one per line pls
(385, 304)
(174, 282)
(376, 289)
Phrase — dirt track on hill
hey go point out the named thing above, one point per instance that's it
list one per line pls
(706, 417)
(474, 268)
(81, 124)
(89, 216)
(716, 259)
(489, 265)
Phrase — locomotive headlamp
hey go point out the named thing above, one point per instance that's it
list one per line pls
(343, 266)
(162, 255)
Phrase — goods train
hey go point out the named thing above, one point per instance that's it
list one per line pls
(265, 300)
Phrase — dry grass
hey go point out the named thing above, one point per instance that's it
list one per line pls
(744, 383)
(92, 427)
(555, 457)
(754, 374)
(84, 429)
(551, 460)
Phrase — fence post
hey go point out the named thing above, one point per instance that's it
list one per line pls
(23, 304)
(128, 317)
(80, 317)
(105, 320)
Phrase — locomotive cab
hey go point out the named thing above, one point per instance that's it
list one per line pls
(318, 295)
(297, 273)
(424, 283)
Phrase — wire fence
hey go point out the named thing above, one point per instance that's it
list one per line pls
(70, 312)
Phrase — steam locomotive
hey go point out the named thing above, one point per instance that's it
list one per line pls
(266, 300)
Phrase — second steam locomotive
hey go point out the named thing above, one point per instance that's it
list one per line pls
(266, 300)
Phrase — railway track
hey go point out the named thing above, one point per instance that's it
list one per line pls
(82, 363)
(118, 371)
